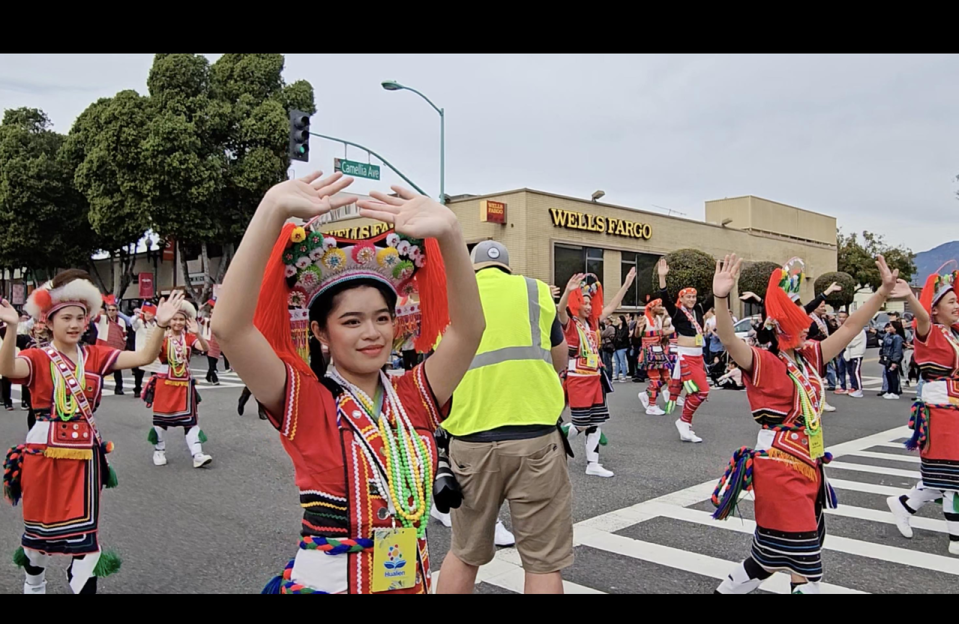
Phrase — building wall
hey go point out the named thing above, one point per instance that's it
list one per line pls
(762, 215)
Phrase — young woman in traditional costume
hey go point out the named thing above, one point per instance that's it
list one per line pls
(62, 467)
(935, 414)
(172, 392)
(785, 389)
(654, 355)
(580, 310)
(361, 443)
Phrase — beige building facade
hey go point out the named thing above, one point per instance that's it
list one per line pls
(551, 237)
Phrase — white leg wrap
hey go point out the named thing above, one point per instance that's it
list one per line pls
(161, 444)
(37, 559)
(807, 588)
(592, 447)
(193, 440)
(948, 502)
(82, 570)
(738, 582)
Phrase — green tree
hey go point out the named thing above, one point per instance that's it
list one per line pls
(105, 149)
(858, 258)
(755, 277)
(43, 219)
(688, 268)
(842, 298)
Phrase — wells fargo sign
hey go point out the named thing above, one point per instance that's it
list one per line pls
(492, 212)
(361, 232)
(572, 220)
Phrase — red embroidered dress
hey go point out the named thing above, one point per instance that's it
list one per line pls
(336, 449)
(935, 418)
(63, 461)
(175, 398)
(584, 387)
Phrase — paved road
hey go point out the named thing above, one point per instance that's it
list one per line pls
(229, 528)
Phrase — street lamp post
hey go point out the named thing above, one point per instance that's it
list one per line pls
(392, 85)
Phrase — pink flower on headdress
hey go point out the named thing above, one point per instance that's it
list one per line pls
(387, 258)
(334, 259)
(392, 239)
(328, 243)
(316, 254)
(297, 298)
(309, 279)
(420, 261)
(403, 247)
(303, 262)
(364, 253)
(415, 252)
(290, 270)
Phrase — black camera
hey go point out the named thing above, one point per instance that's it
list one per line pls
(446, 491)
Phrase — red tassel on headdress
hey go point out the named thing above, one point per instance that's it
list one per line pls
(577, 299)
(434, 307)
(272, 317)
(928, 292)
(792, 319)
(650, 320)
(110, 299)
(41, 297)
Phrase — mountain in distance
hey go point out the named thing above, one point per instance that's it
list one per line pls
(929, 261)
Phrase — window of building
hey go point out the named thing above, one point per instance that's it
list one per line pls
(568, 260)
(643, 289)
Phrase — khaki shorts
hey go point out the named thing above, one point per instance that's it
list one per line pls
(532, 476)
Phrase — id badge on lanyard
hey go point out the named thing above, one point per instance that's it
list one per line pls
(394, 559)
(699, 340)
(817, 447)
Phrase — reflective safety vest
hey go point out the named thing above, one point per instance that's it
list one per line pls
(511, 380)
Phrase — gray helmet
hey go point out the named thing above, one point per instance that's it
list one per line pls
(489, 253)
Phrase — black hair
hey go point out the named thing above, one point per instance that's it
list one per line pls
(323, 306)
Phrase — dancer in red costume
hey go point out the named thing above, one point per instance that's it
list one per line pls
(654, 355)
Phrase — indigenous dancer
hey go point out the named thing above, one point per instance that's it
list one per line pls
(144, 324)
(580, 310)
(62, 467)
(213, 354)
(361, 443)
(935, 420)
(38, 338)
(689, 371)
(172, 392)
(654, 355)
(784, 386)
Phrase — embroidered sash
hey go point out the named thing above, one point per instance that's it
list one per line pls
(79, 396)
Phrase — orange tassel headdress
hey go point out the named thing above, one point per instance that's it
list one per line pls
(683, 293)
(782, 314)
(938, 286)
(305, 263)
(650, 319)
(591, 289)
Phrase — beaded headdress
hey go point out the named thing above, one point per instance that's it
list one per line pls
(938, 286)
(591, 288)
(683, 293)
(407, 321)
(46, 301)
(305, 264)
(782, 313)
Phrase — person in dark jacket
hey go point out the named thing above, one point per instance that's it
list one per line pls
(891, 358)
(621, 344)
(608, 336)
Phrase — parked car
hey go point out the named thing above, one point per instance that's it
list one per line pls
(744, 326)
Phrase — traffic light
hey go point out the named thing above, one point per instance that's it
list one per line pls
(299, 136)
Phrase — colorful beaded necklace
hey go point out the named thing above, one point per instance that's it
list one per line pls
(409, 465)
(63, 400)
(176, 355)
(812, 407)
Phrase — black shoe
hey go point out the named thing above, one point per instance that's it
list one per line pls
(24, 405)
(119, 392)
(240, 405)
(882, 393)
(9, 407)
(136, 394)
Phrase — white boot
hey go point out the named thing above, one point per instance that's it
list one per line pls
(503, 537)
(807, 588)
(901, 515)
(28, 588)
(644, 399)
(686, 432)
(738, 582)
(159, 458)
(593, 467)
(200, 460)
(954, 548)
(444, 518)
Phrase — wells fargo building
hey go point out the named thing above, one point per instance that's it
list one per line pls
(551, 237)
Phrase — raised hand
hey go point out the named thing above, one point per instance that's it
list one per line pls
(727, 274)
(630, 277)
(9, 314)
(889, 278)
(834, 287)
(167, 308)
(192, 327)
(555, 291)
(310, 196)
(662, 268)
(902, 290)
(411, 214)
(575, 282)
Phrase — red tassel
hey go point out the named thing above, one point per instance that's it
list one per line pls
(41, 297)
(272, 317)
(434, 306)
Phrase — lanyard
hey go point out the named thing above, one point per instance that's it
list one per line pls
(811, 405)
(692, 319)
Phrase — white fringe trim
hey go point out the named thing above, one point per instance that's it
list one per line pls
(77, 290)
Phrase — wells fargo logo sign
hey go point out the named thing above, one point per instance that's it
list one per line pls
(492, 212)
(359, 233)
(572, 220)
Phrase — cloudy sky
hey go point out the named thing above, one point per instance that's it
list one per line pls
(868, 139)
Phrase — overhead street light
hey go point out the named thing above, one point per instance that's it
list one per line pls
(392, 85)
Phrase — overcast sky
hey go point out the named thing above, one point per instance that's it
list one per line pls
(871, 140)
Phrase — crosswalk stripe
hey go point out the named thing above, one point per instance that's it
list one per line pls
(895, 445)
(873, 515)
(872, 455)
(891, 472)
(866, 488)
(839, 544)
(696, 563)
